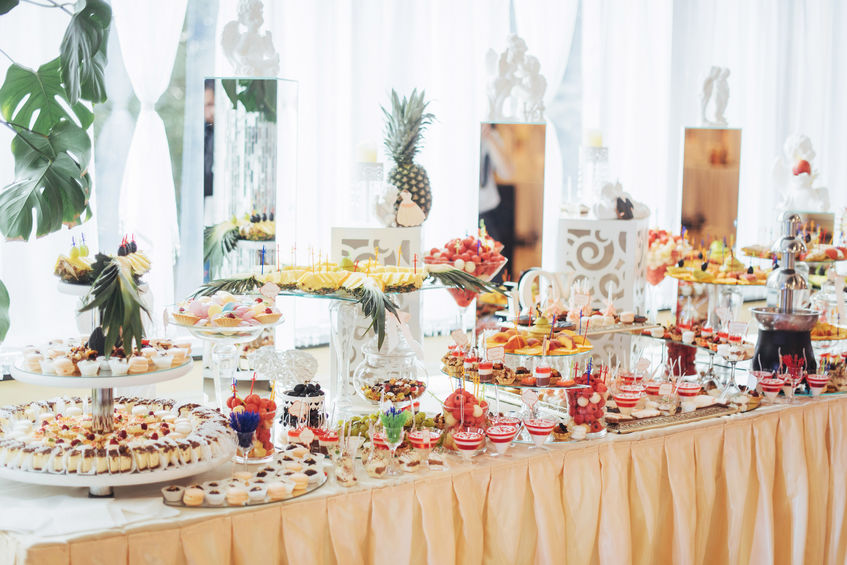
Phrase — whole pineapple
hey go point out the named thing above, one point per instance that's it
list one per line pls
(404, 127)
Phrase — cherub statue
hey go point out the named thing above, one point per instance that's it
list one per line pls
(250, 52)
(706, 95)
(721, 97)
(516, 80)
(794, 176)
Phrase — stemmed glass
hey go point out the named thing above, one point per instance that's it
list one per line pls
(468, 443)
(464, 298)
(393, 421)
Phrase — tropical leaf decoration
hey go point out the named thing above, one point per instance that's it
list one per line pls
(255, 95)
(83, 52)
(4, 311)
(457, 278)
(52, 180)
(36, 100)
(47, 110)
(233, 285)
(375, 304)
(218, 241)
(115, 295)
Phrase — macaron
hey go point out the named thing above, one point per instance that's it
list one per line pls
(236, 496)
(300, 480)
(193, 496)
(280, 490)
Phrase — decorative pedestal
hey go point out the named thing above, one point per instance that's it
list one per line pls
(604, 252)
(360, 244)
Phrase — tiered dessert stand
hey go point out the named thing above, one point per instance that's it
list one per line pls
(102, 410)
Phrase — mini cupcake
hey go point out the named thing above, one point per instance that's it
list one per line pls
(215, 497)
(257, 492)
(118, 367)
(88, 368)
(64, 366)
(32, 361)
(48, 367)
(161, 361)
(173, 493)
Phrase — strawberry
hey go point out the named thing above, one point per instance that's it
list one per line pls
(832, 253)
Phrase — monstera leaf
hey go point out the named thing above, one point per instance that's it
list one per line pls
(5, 6)
(4, 311)
(83, 52)
(51, 179)
(36, 96)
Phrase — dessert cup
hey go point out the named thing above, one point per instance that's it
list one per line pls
(771, 387)
(468, 443)
(817, 384)
(626, 401)
(539, 430)
(501, 436)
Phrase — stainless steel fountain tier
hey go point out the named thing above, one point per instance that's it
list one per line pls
(785, 330)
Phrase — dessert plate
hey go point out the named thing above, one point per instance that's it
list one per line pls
(103, 380)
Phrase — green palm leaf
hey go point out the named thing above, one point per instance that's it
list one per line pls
(233, 285)
(218, 242)
(457, 278)
(115, 295)
(374, 304)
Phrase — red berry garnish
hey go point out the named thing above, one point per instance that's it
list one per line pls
(154, 435)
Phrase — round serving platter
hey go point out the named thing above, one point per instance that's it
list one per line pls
(104, 380)
(310, 488)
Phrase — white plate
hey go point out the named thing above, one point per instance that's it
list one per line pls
(73, 289)
(105, 381)
(122, 479)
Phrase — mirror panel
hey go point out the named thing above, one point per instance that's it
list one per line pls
(250, 132)
(710, 171)
(511, 191)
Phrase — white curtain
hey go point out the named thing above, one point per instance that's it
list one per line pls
(149, 36)
(643, 64)
(31, 35)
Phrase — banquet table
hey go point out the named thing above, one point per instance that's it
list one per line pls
(767, 486)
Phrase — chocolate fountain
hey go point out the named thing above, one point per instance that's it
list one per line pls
(785, 329)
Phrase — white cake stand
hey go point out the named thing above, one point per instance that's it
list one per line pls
(101, 485)
(102, 412)
(224, 353)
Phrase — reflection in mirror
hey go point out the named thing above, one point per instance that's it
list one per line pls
(711, 162)
(511, 191)
(244, 121)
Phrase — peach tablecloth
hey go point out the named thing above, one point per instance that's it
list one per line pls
(764, 487)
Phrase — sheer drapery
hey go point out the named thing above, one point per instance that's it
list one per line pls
(643, 65)
(149, 36)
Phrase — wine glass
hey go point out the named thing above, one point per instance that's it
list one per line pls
(393, 438)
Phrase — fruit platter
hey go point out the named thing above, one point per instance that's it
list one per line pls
(78, 268)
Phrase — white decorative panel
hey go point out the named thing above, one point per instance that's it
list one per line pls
(605, 252)
(361, 244)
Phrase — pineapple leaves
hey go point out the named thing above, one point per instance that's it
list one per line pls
(405, 124)
(374, 304)
(456, 278)
(218, 242)
(4, 311)
(234, 285)
(115, 295)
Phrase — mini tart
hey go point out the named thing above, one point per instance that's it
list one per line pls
(227, 320)
(265, 318)
(185, 318)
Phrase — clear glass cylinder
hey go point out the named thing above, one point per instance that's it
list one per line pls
(593, 172)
